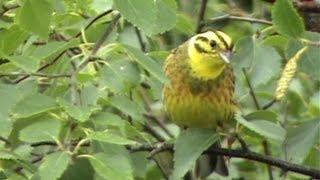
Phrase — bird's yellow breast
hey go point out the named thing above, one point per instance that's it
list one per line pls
(196, 102)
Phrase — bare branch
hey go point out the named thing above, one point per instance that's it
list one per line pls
(201, 15)
(36, 74)
(251, 91)
(287, 166)
(238, 18)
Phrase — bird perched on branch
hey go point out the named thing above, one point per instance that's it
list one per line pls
(202, 85)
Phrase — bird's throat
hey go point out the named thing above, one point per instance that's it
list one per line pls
(206, 67)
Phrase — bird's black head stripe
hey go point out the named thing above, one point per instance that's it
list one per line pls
(199, 48)
(201, 38)
(222, 39)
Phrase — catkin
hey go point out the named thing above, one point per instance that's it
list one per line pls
(287, 74)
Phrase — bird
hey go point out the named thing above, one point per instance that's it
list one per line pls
(202, 84)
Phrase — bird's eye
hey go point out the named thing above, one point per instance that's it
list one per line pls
(213, 43)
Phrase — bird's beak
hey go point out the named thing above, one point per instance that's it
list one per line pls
(226, 56)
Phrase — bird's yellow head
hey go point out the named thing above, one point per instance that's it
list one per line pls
(209, 54)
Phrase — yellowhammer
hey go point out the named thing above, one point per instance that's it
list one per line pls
(202, 83)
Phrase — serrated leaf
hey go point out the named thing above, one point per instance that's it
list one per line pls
(264, 128)
(159, 17)
(54, 165)
(127, 106)
(32, 105)
(301, 139)
(284, 12)
(45, 128)
(80, 113)
(110, 137)
(189, 146)
(114, 165)
(146, 62)
(35, 16)
(79, 169)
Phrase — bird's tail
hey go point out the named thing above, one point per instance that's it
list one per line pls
(209, 163)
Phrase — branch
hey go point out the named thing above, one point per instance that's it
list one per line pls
(238, 18)
(99, 43)
(252, 93)
(287, 166)
(142, 44)
(60, 55)
(6, 141)
(6, 9)
(36, 74)
(201, 15)
(93, 21)
(308, 6)
(41, 68)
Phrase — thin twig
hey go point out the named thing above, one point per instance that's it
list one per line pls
(6, 9)
(93, 21)
(153, 132)
(60, 55)
(201, 15)
(267, 152)
(142, 44)
(41, 68)
(251, 91)
(5, 140)
(36, 74)
(99, 43)
(308, 6)
(269, 104)
(155, 118)
(288, 166)
(238, 18)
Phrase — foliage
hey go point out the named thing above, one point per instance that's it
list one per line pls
(75, 97)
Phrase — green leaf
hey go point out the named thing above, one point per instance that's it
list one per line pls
(127, 106)
(120, 75)
(257, 59)
(309, 61)
(264, 128)
(152, 17)
(185, 25)
(286, 19)
(54, 165)
(12, 93)
(32, 105)
(105, 120)
(114, 165)
(27, 63)
(110, 137)
(189, 146)
(79, 169)
(80, 113)
(35, 16)
(146, 62)
(45, 128)
(11, 39)
(314, 105)
(52, 48)
(263, 114)
(301, 139)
